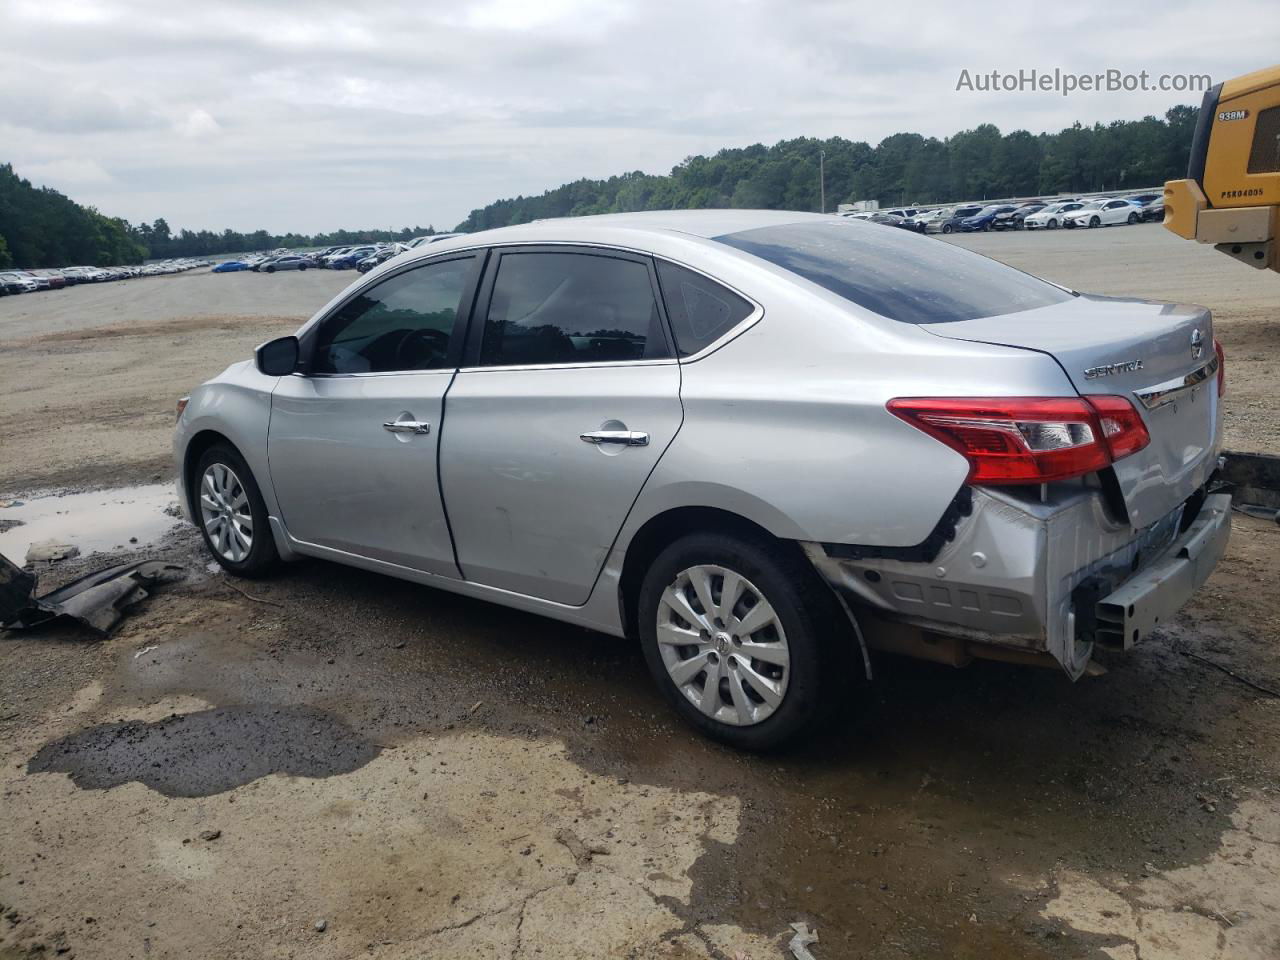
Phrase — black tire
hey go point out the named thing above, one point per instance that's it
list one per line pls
(804, 606)
(271, 269)
(262, 556)
(1133, 218)
(1052, 224)
(986, 227)
(1095, 221)
(947, 228)
(302, 267)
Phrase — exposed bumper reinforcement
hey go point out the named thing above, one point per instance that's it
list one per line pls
(1156, 593)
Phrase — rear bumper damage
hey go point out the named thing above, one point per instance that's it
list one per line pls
(1036, 578)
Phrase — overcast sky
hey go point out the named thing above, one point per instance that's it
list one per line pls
(318, 115)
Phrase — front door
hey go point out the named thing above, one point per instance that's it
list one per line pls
(568, 398)
(353, 440)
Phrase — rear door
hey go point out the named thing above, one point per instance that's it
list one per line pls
(353, 440)
(568, 397)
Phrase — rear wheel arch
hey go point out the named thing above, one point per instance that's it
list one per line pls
(663, 529)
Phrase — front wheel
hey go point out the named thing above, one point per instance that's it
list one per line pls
(302, 267)
(231, 513)
(738, 638)
(986, 228)
(947, 228)
(1052, 224)
(1095, 222)
(271, 269)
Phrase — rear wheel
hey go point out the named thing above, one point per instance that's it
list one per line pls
(1133, 218)
(739, 638)
(231, 513)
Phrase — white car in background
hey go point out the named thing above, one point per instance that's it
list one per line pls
(1103, 213)
(1052, 216)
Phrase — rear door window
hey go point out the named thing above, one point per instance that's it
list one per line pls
(896, 274)
(550, 307)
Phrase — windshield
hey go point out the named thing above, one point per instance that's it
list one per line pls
(895, 273)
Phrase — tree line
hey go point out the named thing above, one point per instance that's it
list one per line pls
(39, 227)
(905, 168)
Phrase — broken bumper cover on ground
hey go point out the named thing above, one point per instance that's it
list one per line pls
(1051, 577)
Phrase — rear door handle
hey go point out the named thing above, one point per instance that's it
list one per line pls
(407, 426)
(629, 438)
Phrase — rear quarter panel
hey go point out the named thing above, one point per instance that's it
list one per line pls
(786, 424)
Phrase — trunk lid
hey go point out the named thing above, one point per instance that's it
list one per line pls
(1158, 355)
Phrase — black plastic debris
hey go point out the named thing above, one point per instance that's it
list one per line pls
(98, 600)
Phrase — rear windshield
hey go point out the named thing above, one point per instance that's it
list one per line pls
(899, 275)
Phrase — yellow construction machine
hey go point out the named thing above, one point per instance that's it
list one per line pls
(1231, 197)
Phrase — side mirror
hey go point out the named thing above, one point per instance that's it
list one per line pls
(277, 358)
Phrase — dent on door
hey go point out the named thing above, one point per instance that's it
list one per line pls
(539, 469)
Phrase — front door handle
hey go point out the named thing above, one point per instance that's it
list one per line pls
(407, 426)
(629, 438)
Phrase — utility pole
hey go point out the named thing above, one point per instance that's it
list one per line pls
(822, 178)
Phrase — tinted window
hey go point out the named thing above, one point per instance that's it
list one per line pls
(403, 323)
(571, 308)
(701, 311)
(897, 274)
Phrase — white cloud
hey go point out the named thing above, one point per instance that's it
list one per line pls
(67, 172)
(318, 115)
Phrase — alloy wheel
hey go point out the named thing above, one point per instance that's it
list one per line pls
(225, 513)
(723, 645)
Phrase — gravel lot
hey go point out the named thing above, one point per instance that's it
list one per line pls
(333, 764)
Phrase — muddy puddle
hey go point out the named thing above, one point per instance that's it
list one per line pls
(208, 752)
(102, 521)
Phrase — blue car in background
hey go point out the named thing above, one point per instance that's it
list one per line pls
(983, 218)
(348, 260)
(230, 266)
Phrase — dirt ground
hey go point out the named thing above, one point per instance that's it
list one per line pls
(334, 764)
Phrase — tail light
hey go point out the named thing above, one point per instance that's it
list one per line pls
(1222, 366)
(1011, 440)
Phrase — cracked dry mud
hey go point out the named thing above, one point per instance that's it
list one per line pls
(421, 775)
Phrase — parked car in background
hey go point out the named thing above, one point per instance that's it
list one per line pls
(1142, 199)
(921, 221)
(15, 282)
(1152, 210)
(983, 219)
(950, 221)
(1050, 217)
(229, 266)
(1013, 219)
(286, 261)
(609, 459)
(349, 258)
(1102, 213)
(379, 257)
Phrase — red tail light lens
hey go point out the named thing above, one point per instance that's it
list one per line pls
(1222, 366)
(1012, 440)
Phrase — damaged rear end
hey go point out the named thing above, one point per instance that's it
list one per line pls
(1085, 520)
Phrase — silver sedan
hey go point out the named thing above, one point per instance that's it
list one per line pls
(765, 444)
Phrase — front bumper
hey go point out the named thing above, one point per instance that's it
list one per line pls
(1041, 577)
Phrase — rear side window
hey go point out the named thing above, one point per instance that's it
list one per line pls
(403, 323)
(556, 308)
(701, 311)
(897, 274)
